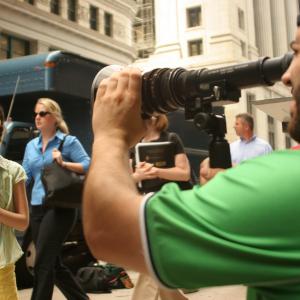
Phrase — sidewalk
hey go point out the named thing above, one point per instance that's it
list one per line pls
(220, 293)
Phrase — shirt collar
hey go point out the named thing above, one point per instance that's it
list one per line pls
(58, 134)
(248, 141)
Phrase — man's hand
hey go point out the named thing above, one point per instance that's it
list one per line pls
(111, 200)
(117, 108)
(206, 173)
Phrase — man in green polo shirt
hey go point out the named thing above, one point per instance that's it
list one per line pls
(243, 227)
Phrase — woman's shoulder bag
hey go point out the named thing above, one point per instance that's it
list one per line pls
(63, 188)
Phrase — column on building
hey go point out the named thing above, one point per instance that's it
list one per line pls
(279, 29)
(252, 48)
(292, 10)
(263, 27)
(166, 29)
(83, 13)
(64, 9)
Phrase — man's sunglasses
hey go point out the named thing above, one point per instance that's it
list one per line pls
(42, 113)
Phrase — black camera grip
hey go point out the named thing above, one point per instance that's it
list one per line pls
(219, 154)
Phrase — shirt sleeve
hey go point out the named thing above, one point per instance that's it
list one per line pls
(179, 148)
(19, 173)
(227, 232)
(76, 152)
(268, 149)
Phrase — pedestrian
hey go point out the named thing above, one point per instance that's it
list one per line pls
(180, 172)
(14, 214)
(248, 145)
(50, 227)
(146, 288)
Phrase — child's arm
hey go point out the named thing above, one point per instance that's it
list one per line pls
(20, 218)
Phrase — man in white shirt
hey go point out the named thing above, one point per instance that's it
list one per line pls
(249, 145)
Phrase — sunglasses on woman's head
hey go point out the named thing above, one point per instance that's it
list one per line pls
(41, 113)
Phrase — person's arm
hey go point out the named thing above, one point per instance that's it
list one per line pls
(111, 202)
(19, 219)
(207, 173)
(72, 166)
(181, 171)
(80, 161)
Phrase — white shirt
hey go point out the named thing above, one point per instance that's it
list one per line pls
(242, 149)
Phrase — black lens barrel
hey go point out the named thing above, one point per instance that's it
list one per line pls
(165, 90)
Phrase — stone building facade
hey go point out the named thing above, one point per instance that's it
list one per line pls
(96, 29)
(197, 34)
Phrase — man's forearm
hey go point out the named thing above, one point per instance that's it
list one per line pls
(111, 205)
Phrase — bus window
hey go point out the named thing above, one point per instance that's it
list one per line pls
(19, 137)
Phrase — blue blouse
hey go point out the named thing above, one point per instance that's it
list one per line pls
(35, 160)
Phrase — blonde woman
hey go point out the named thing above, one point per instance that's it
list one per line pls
(13, 215)
(50, 227)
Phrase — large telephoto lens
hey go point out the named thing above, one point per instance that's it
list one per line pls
(165, 90)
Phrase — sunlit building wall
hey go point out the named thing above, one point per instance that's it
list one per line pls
(96, 29)
(197, 34)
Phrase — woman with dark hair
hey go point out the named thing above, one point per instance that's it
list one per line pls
(146, 288)
(50, 227)
(157, 132)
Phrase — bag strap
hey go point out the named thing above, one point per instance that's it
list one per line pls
(62, 143)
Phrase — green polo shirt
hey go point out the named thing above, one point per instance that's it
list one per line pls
(243, 227)
(10, 174)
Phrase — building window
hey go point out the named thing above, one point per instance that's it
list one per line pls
(108, 24)
(243, 49)
(271, 128)
(195, 47)
(241, 18)
(270, 121)
(53, 48)
(30, 1)
(94, 20)
(284, 126)
(272, 139)
(288, 142)
(249, 98)
(194, 16)
(72, 10)
(11, 46)
(55, 7)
